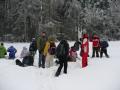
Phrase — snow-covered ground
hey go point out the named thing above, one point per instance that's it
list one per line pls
(101, 73)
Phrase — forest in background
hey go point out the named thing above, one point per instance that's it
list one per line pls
(25, 19)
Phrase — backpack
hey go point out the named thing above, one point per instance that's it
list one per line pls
(52, 48)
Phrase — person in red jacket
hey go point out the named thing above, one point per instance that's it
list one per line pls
(85, 50)
(96, 46)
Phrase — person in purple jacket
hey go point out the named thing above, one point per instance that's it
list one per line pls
(12, 51)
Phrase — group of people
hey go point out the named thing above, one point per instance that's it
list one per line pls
(48, 51)
(3, 51)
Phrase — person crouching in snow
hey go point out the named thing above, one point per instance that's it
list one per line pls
(24, 52)
(85, 50)
(49, 52)
(72, 54)
(28, 60)
(3, 51)
(12, 51)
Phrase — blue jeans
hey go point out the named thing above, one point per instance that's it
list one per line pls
(41, 60)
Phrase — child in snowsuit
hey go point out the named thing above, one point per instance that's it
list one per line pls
(12, 51)
(85, 50)
(24, 52)
(72, 54)
(96, 46)
(62, 52)
(103, 45)
(3, 51)
(49, 52)
(33, 47)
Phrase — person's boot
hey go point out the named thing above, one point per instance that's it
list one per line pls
(57, 74)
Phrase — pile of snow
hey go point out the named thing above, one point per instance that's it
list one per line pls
(101, 73)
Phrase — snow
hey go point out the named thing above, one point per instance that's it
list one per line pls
(101, 73)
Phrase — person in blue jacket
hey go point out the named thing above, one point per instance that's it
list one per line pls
(12, 51)
(104, 45)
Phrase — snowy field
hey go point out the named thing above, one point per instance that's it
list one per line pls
(101, 74)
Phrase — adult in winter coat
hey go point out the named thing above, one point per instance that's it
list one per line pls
(3, 51)
(24, 52)
(12, 51)
(62, 52)
(104, 45)
(33, 47)
(95, 46)
(85, 50)
(41, 41)
(49, 52)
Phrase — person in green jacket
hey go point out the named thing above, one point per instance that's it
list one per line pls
(41, 41)
(3, 51)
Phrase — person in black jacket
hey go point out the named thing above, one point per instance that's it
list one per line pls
(33, 47)
(62, 52)
(103, 45)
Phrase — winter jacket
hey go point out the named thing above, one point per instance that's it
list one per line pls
(33, 46)
(3, 51)
(62, 50)
(85, 48)
(28, 60)
(41, 41)
(24, 52)
(104, 44)
(73, 53)
(12, 52)
(47, 47)
(96, 41)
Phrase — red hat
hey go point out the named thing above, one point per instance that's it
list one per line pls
(95, 36)
(85, 35)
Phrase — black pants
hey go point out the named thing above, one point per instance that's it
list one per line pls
(104, 50)
(63, 62)
(95, 51)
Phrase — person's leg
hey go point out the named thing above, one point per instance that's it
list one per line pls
(84, 61)
(40, 60)
(43, 61)
(51, 60)
(97, 54)
(59, 69)
(65, 66)
(93, 52)
(105, 52)
(47, 62)
(101, 53)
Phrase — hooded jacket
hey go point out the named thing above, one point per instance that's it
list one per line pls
(2, 51)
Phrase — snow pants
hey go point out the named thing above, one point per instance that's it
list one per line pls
(49, 60)
(84, 60)
(104, 50)
(95, 51)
